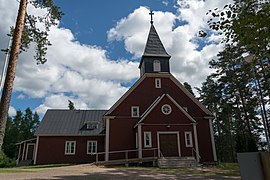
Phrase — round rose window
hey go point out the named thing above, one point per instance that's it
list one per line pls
(166, 109)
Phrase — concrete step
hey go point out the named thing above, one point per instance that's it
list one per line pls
(176, 162)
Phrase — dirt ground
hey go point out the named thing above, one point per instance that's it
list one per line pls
(87, 171)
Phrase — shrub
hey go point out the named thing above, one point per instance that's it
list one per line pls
(6, 161)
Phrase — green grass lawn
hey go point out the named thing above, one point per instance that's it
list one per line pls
(30, 168)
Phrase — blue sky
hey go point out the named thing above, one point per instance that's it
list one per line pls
(97, 47)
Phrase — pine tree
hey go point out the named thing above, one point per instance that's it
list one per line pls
(19, 128)
(23, 34)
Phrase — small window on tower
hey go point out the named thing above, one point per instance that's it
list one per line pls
(158, 82)
(156, 66)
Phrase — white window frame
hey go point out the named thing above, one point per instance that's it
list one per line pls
(68, 145)
(91, 125)
(150, 139)
(169, 109)
(157, 82)
(90, 149)
(133, 108)
(188, 134)
(156, 66)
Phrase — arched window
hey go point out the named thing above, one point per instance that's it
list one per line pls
(156, 65)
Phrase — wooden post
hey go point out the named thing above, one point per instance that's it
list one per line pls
(126, 156)
(140, 140)
(96, 158)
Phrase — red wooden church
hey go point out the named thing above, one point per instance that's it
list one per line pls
(156, 117)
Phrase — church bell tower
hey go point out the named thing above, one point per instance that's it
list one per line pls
(155, 59)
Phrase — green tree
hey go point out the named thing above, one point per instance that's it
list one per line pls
(10, 139)
(229, 94)
(19, 128)
(71, 105)
(23, 34)
(189, 88)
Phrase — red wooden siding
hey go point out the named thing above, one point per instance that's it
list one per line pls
(157, 117)
(204, 141)
(51, 149)
(122, 133)
(185, 151)
(122, 136)
(146, 93)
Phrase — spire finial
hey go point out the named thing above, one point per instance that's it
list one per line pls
(151, 14)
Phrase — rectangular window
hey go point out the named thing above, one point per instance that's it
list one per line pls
(156, 66)
(188, 139)
(158, 82)
(91, 147)
(92, 125)
(147, 139)
(70, 147)
(135, 111)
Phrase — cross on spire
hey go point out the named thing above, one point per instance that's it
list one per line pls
(151, 14)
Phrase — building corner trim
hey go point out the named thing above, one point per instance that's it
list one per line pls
(36, 151)
(212, 140)
(196, 142)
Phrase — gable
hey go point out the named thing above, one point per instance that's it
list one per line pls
(143, 93)
(156, 115)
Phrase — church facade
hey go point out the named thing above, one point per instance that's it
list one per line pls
(157, 116)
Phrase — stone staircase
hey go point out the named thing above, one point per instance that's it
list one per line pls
(176, 162)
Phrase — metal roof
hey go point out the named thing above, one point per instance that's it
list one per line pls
(154, 46)
(71, 122)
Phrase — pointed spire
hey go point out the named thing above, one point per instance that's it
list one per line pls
(154, 46)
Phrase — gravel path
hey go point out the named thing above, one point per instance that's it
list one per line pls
(92, 172)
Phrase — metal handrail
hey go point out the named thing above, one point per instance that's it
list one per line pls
(161, 155)
(193, 149)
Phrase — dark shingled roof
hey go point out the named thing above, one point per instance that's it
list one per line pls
(70, 122)
(154, 46)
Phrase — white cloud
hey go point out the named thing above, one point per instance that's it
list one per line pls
(11, 111)
(188, 63)
(59, 101)
(72, 70)
(88, 77)
(134, 29)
